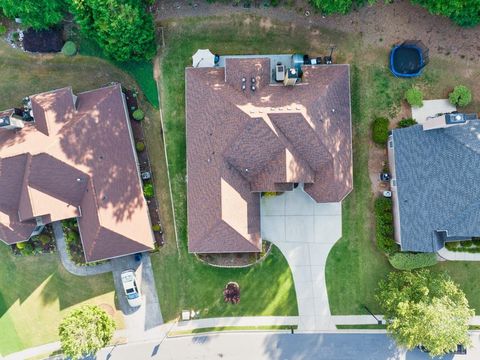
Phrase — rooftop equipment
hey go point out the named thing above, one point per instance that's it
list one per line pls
(329, 59)
(440, 121)
(279, 72)
(291, 78)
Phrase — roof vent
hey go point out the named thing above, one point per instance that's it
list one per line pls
(253, 87)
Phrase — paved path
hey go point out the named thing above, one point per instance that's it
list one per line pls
(143, 322)
(68, 264)
(236, 321)
(458, 256)
(305, 232)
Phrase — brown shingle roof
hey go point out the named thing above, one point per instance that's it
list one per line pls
(75, 160)
(242, 142)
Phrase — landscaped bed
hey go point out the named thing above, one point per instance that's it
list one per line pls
(43, 243)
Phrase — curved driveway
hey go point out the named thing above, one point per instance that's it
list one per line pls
(305, 232)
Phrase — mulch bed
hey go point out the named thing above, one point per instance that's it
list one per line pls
(44, 41)
(143, 159)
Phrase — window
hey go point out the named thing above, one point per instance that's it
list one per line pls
(390, 144)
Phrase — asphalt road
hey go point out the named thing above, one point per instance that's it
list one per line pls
(253, 346)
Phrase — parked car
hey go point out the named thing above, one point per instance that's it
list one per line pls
(130, 287)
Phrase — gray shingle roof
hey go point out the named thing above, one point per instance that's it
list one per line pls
(438, 182)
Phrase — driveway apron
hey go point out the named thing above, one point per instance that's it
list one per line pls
(304, 231)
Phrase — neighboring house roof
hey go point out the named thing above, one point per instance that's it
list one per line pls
(240, 143)
(75, 160)
(437, 180)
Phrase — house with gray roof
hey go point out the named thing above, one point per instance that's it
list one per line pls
(435, 182)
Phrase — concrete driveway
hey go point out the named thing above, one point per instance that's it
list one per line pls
(305, 232)
(143, 322)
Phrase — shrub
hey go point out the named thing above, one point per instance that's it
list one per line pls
(406, 123)
(44, 239)
(460, 96)
(269, 194)
(138, 115)
(72, 237)
(156, 227)
(140, 146)
(384, 225)
(69, 48)
(148, 190)
(21, 245)
(3, 29)
(452, 246)
(410, 261)
(414, 97)
(27, 249)
(466, 243)
(232, 293)
(380, 130)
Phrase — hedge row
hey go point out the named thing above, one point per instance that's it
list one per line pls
(384, 225)
(410, 261)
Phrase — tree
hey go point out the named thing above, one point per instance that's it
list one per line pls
(85, 331)
(462, 12)
(122, 28)
(461, 96)
(38, 14)
(425, 309)
(414, 97)
(338, 6)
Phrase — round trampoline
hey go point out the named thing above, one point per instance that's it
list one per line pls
(408, 59)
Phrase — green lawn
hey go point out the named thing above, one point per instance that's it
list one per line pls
(36, 292)
(355, 265)
(182, 281)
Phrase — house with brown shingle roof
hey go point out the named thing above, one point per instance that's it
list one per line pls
(247, 134)
(72, 156)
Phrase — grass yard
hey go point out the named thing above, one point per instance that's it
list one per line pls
(355, 265)
(36, 292)
(182, 281)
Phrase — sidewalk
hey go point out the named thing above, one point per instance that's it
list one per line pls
(68, 264)
(458, 256)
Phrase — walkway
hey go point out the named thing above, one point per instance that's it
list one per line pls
(68, 264)
(458, 256)
(305, 232)
(142, 322)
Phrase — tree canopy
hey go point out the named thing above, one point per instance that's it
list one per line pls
(85, 331)
(425, 309)
(462, 12)
(122, 28)
(38, 14)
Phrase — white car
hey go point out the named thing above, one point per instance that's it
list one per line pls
(129, 282)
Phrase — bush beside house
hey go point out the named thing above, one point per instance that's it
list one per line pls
(384, 225)
(404, 123)
(410, 261)
(414, 97)
(380, 130)
(460, 96)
